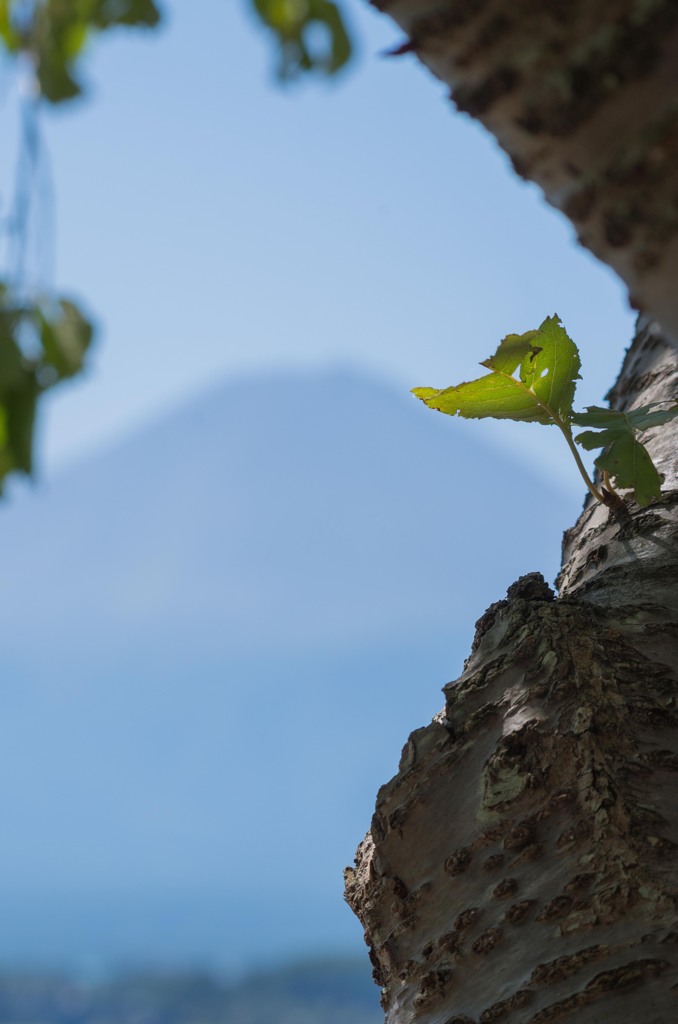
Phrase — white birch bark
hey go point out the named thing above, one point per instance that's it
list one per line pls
(522, 866)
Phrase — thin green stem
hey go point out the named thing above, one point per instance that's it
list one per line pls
(567, 434)
(566, 431)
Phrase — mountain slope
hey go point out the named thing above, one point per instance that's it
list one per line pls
(190, 625)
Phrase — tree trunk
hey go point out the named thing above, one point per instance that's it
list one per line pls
(582, 96)
(522, 866)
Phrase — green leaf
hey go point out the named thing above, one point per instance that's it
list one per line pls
(625, 457)
(20, 406)
(553, 370)
(511, 352)
(11, 358)
(629, 462)
(56, 82)
(495, 396)
(11, 364)
(426, 393)
(291, 20)
(6, 464)
(8, 34)
(65, 339)
(548, 365)
(56, 32)
(40, 345)
(532, 378)
(616, 421)
(126, 12)
(340, 49)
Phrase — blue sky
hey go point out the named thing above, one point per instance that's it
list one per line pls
(214, 223)
(217, 225)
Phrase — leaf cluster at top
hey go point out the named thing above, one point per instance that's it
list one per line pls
(294, 23)
(56, 32)
(532, 379)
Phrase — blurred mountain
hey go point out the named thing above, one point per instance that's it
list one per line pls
(215, 640)
(324, 992)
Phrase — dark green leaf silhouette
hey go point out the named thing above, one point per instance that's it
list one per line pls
(293, 24)
(40, 345)
(625, 458)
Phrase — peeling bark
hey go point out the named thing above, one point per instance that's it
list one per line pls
(522, 866)
(583, 96)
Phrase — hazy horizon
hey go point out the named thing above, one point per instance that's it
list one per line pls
(217, 638)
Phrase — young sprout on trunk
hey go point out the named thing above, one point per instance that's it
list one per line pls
(532, 378)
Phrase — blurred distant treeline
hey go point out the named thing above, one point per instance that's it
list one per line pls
(335, 991)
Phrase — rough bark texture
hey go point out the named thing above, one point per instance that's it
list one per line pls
(523, 863)
(583, 96)
(522, 866)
